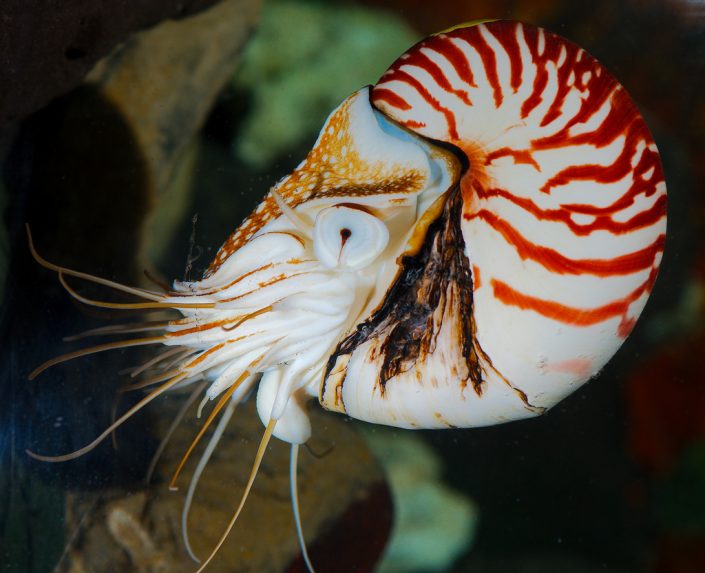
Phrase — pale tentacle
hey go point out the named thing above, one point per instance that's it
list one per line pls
(109, 430)
(248, 487)
(130, 305)
(170, 431)
(127, 328)
(302, 226)
(294, 492)
(88, 277)
(177, 351)
(94, 350)
(196, 476)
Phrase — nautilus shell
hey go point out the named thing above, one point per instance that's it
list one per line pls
(469, 241)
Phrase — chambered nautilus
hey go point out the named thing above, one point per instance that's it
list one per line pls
(469, 241)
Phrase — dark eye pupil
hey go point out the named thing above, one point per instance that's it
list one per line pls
(345, 234)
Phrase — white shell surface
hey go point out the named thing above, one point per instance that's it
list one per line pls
(563, 222)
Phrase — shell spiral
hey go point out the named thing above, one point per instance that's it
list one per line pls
(563, 218)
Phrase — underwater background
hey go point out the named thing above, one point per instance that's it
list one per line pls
(134, 139)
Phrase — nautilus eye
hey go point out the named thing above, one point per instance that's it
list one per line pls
(348, 238)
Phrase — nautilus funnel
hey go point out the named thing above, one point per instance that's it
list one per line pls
(545, 252)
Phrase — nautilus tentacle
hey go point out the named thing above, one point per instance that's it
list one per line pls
(552, 240)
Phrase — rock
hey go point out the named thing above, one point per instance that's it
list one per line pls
(140, 531)
(46, 51)
(164, 82)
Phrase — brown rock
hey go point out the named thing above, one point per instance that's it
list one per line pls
(46, 49)
(123, 531)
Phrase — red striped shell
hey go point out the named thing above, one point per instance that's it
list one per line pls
(563, 220)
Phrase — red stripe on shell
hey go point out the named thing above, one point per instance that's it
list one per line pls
(407, 78)
(558, 263)
(573, 315)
